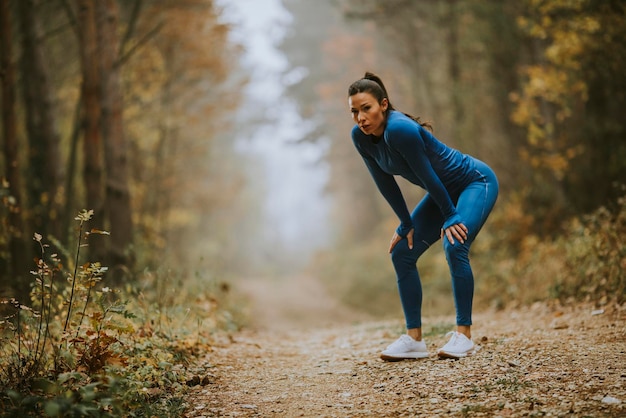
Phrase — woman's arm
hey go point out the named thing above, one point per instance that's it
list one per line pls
(390, 190)
(407, 140)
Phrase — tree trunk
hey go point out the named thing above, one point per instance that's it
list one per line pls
(70, 202)
(45, 177)
(454, 69)
(16, 270)
(117, 201)
(92, 156)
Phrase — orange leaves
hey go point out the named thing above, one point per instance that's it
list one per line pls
(96, 350)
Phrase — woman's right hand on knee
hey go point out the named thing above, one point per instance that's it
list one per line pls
(397, 238)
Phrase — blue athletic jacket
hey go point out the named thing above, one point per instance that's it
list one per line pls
(411, 151)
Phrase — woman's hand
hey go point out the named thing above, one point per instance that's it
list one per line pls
(397, 238)
(456, 231)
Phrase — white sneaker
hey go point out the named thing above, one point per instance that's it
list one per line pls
(459, 346)
(405, 347)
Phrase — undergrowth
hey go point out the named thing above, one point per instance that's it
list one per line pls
(78, 348)
(595, 257)
(585, 263)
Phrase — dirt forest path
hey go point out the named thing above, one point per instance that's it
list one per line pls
(306, 356)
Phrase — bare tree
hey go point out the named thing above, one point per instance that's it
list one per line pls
(117, 205)
(44, 156)
(88, 46)
(18, 250)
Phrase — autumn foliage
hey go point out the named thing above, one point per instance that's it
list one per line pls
(129, 98)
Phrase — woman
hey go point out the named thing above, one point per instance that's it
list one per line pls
(461, 191)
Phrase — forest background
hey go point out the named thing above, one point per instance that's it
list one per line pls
(132, 110)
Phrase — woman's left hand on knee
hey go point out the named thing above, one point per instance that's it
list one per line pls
(457, 231)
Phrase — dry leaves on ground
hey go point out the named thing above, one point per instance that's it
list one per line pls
(541, 361)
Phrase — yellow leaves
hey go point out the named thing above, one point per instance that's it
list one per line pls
(566, 49)
(536, 135)
(557, 163)
(570, 43)
(554, 86)
(552, 83)
(122, 328)
(562, 24)
(589, 24)
(533, 29)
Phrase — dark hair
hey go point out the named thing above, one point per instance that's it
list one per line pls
(372, 84)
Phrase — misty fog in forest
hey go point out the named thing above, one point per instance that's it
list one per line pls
(287, 174)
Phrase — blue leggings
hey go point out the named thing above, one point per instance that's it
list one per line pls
(473, 205)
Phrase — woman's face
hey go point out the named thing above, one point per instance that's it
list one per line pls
(368, 113)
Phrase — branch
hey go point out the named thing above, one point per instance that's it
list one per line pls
(122, 59)
(132, 23)
(57, 30)
(71, 16)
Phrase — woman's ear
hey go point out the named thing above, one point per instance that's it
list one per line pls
(384, 104)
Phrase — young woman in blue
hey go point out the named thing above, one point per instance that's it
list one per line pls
(461, 191)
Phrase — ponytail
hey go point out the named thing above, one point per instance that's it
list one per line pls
(373, 77)
(371, 83)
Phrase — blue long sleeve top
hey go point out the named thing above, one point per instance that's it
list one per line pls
(412, 152)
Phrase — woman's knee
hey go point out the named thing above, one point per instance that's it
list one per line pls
(456, 251)
(402, 254)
